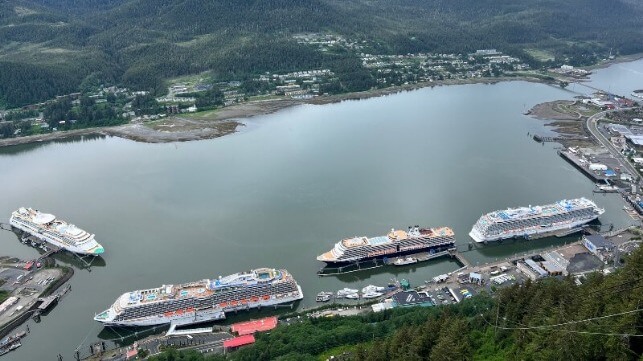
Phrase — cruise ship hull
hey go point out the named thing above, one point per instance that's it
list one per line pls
(202, 301)
(94, 250)
(198, 316)
(519, 233)
(394, 244)
(391, 254)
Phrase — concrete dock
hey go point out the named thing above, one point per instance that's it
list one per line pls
(575, 160)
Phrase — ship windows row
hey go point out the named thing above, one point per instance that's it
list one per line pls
(157, 308)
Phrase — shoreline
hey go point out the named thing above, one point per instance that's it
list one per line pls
(227, 120)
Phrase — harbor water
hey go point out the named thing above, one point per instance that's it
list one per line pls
(285, 188)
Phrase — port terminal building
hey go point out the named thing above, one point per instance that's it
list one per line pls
(599, 246)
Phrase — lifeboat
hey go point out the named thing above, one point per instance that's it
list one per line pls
(190, 309)
(233, 303)
(179, 312)
(223, 304)
(254, 299)
(244, 301)
(168, 314)
(266, 297)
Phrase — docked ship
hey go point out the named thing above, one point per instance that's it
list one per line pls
(47, 228)
(528, 222)
(201, 301)
(396, 243)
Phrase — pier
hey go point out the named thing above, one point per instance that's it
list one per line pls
(542, 139)
(576, 162)
(47, 302)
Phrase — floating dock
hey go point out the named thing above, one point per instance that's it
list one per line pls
(47, 302)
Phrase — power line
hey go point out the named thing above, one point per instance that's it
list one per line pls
(602, 334)
(561, 324)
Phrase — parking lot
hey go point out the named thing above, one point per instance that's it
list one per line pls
(28, 289)
(440, 296)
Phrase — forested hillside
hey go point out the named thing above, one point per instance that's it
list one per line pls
(549, 320)
(57, 45)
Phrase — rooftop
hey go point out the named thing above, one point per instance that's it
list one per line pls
(250, 327)
(239, 341)
(599, 241)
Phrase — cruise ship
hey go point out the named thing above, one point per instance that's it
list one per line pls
(205, 300)
(59, 233)
(397, 242)
(532, 221)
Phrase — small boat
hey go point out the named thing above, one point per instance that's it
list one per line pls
(405, 261)
(346, 291)
(373, 288)
(372, 294)
(352, 296)
(604, 188)
(324, 296)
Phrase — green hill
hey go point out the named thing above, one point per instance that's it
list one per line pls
(56, 45)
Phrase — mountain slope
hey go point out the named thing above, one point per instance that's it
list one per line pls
(139, 43)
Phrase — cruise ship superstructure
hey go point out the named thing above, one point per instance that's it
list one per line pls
(205, 300)
(397, 242)
(530, 221)
(59, 233)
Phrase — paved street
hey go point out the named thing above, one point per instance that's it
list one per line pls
(592, 126)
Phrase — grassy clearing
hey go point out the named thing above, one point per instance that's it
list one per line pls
(205, 115)
(190, 79)
(540, 55)
(3, 295)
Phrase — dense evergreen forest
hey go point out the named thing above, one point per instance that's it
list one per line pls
(549, 320)
(51, 47)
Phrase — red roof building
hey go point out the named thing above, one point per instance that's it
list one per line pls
(239, 341)
(250, 327)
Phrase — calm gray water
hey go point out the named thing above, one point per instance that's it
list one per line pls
(285, 189)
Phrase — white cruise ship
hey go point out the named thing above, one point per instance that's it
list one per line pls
(205, 300)
(530, 221)
(59, 233)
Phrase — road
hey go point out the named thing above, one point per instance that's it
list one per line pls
(592, 126)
